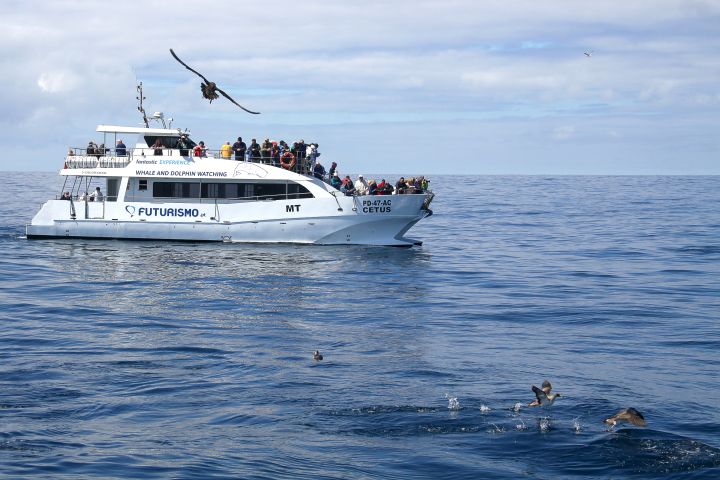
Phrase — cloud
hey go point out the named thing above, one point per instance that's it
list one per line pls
(57, 82)
(343, 67)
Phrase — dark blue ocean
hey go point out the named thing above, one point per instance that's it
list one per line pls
(122, 359)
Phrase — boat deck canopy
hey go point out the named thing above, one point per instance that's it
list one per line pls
(139, 130)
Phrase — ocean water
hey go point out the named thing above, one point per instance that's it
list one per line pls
(123, 359)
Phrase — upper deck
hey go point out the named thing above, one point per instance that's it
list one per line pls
(173, 159)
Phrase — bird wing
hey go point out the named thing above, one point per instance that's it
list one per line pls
(233, 101)
(546, 387)
(634, 417)
(185, 65)
(541, 395)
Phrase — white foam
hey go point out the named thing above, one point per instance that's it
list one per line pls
(453, 402)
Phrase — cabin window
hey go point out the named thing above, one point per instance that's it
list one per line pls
(142, 184)
(176, 189)
(167, 142)
(246, 191)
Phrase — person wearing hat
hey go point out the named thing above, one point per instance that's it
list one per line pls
(319, 171)
(183, 145)
(335, 180)
(348, 187)
(239, 148)
(361, 186)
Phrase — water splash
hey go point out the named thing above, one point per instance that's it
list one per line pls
(544, 424)
(484, 408)
(576, 425)
(453, 403)
(516, 408)
(520, 426)
(495, 429)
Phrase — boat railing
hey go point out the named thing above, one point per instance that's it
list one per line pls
(111, 158)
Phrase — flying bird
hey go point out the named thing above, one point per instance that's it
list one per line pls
(210, 89)
(543, 395)
(627, 415)
(317, 355)
(589, 54)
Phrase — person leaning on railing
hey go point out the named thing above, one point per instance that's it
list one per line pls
(226, 151)
(200, 150)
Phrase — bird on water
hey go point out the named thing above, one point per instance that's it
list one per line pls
(629, 415)
(210, 89)
(317, 355)
(543, 395)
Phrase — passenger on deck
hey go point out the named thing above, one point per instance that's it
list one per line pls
(239, 148)
(348, 188)
(120, 148)
(66, 196)
(361, 185)
(91, 148)
(424, 183)
(200, 150)
(275, 155)
(311, 153)
(372, 187)
(333, 167)
(71, 152)
(319, 171)
(265, 150)
(254, 151)
(417, 185)
(335, 181)
(183, 145)
(300, 154)
(226, 151)
(158, 146)
(97, 195)
(401, 186)
(381, 187)
(84, 197)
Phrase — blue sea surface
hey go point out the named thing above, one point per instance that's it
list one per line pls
(125, 359)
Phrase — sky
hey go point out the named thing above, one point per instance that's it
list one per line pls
(411, 87)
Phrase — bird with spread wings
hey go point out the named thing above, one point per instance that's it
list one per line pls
(209, 89)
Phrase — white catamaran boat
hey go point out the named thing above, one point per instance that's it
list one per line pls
(171, 194)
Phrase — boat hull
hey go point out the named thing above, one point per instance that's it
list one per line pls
(368, 220)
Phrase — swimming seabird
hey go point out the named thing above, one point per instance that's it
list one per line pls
(317, 355)
(627, 415)
(210, 89)
(543, 395)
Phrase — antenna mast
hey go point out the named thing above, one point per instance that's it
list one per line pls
(140, 98)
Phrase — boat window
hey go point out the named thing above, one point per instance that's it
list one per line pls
(142, 184)
(167, 142)
(176, 189)
(248, 191)
(112, 189)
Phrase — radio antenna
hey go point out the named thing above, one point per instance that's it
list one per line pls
(140, 99)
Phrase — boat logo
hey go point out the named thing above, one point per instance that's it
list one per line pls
(130, 209)
(249, 169)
